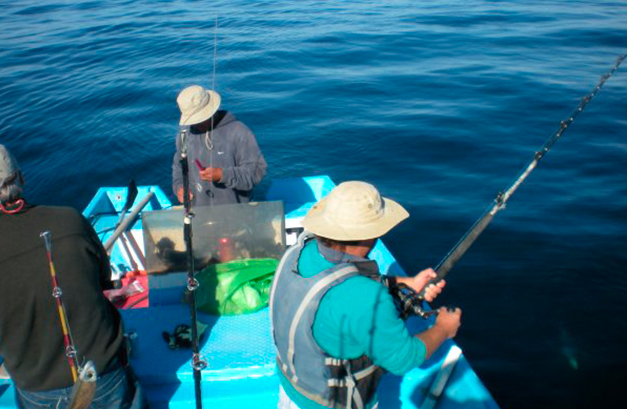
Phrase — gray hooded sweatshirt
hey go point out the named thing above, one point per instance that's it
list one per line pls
(232, 147)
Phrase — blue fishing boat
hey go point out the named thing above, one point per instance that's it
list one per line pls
(237, 349)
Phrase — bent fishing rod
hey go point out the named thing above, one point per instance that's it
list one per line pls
(411, 301)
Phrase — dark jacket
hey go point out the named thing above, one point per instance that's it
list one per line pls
(235, 150)
(31, 337)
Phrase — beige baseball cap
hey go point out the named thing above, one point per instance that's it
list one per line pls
(197, 104)
(354, 211)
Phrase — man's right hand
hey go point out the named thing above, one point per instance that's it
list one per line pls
(179, 195)
(446, 325)
(449, 320)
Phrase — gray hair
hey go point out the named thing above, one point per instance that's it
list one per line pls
(11, 191)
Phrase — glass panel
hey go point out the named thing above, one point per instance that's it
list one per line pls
(220, 234)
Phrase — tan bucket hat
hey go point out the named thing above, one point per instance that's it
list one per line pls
(197, 104)
(354, 211)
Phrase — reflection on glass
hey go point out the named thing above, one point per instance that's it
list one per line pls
(220, 234)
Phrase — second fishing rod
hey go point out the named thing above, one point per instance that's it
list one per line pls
(192, 283)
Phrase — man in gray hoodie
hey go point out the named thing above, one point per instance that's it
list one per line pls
(225, 162)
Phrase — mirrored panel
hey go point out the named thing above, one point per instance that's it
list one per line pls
(219, 234)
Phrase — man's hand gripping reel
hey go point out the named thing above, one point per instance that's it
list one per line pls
(409, 302)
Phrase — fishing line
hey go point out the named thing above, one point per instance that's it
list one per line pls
(209, 141)
(415, 305)
(198, 364)
(215, 53)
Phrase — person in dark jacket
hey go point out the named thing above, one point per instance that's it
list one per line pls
(31, 333)
(225, 162)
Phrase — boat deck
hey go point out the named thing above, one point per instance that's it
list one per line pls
(239, 351)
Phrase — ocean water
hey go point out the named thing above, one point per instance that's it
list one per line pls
(439, 104)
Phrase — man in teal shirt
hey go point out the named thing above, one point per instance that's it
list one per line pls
(335, 325)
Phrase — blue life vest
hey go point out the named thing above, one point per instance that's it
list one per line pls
(294, 301)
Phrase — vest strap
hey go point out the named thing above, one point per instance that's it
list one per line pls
(313, 397)
(352, 391)
(343, 382)
(318, 287)
(330, 361)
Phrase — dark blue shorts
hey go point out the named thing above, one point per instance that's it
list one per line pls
(117, 389)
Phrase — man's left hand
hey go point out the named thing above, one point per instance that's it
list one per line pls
(420, 280)
(211, 174)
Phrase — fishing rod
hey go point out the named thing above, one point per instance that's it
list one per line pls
(131, 195)
(192, 283)
(198, 364)
(411, 302)
(84, 377)
(68, 340)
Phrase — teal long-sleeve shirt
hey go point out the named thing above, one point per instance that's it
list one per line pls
(354, 318)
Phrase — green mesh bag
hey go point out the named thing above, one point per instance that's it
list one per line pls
(236, 287)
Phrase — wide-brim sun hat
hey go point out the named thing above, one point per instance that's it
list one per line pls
(9, 169)
(197, 104)
(354, 211)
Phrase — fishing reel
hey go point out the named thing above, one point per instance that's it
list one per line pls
(408, 302)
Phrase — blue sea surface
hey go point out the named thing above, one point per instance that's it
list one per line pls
(439, 104)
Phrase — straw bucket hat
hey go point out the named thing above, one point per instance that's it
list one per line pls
(9, 168)
(197, 104)
(354, 211)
